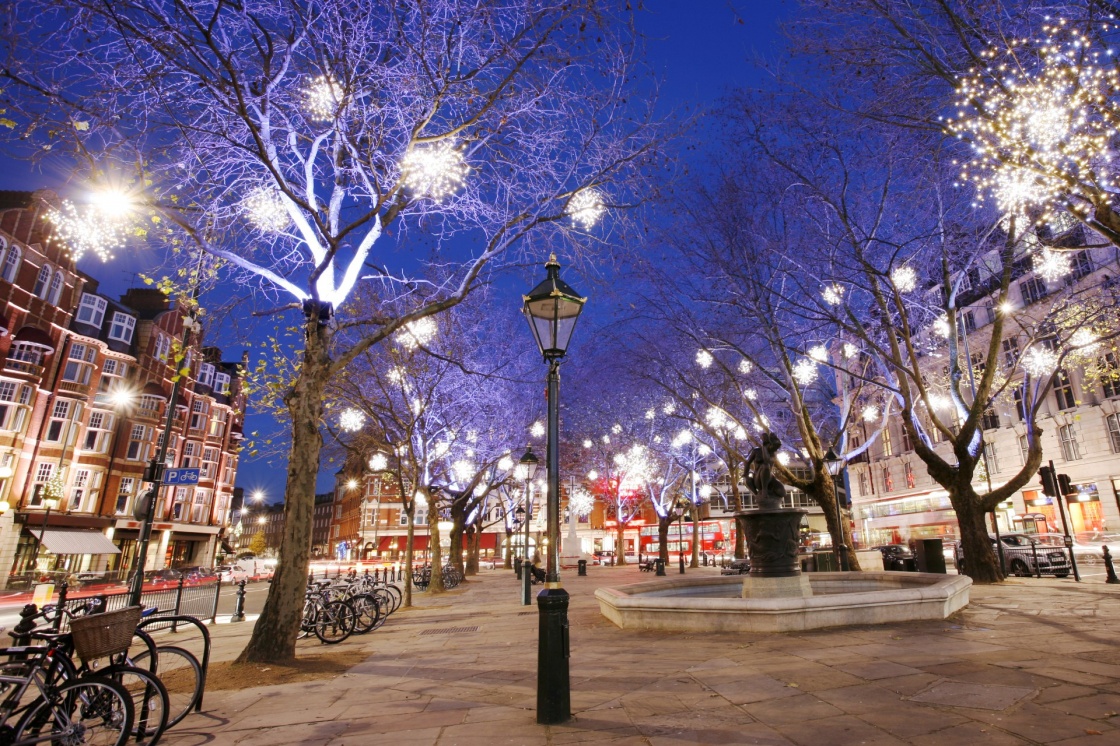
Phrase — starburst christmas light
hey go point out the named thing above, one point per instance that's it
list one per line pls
(819, 353)
(351, 420)
(265, 209)
(378, 462)
(436, 171)
(745, 366)
(321, 98)
(833, 294)
(850, 350)
(783, 458)
(1040, 362)
(1051, 265)
(941, 326)
(586, 208)
(580, 501)
(904, 278)
(418, 333)
(537, 430)
(93, 230)
(805, 372)
(750, 394)
(704, 358)
(870, 413)
(1084, 341)
(1041, 115)
(587, 443)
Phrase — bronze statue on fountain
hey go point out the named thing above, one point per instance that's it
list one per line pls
(772, 532)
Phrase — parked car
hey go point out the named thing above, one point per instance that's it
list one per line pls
(602, 558)
(897, 557)
(232, 573)
(1019, 553)
(737, 567)
(1087, 553)
(198, 574)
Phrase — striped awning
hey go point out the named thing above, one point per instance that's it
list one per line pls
(75, 541)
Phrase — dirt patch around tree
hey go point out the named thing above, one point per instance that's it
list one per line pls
(226, 675)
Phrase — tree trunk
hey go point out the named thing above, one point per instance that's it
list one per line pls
(620, 545)
(740, 543)
(981, 563)
(474, 543)
(841, 532)
(696, 538)
(509, 550)
(436, 584)
(274, 635)
(663, 537)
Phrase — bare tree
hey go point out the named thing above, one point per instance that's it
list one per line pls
(303, 143)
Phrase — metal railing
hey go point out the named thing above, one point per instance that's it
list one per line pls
(199, 600)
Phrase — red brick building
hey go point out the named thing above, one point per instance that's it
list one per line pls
(85, 382)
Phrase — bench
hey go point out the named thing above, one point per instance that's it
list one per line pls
(647, 566)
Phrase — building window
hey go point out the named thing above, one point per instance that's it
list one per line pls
(990, 458)
(26, 352)
(198, 414)
(190, 453)
(162, 347)
(82, 498)
(56, 288)
(1080, 265)
(43, 474)
(221, 383)
(1063, 390)
(138, 444)
(11, 264)
(969, 321)
(1020, 405)
(182, 500)
(206, 375)
(200, 510)
(989, 420)
(92, 310)
(888, 447)
(990, 312)
(1109, 368)
(1024, 447)
(218, 423)
(1011, 352)
(863, 484)
(42, 282)
(122, 328)
(124, 494)
(1113, 421)
(907, 446)
(1032, 290)
(888, 480)
(1066, 436)
(421, 516)
(13, 414)
(60, 415)
(98, 432)
(79, 366)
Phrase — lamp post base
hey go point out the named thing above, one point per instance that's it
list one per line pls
(554, 697)
(526, 581)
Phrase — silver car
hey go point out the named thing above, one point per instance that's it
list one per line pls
(1024, 556)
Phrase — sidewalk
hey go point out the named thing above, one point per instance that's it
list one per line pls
(1031, 661)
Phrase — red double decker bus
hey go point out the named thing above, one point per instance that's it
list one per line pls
(711, 538)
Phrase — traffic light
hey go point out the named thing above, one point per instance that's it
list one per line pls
(1049, 484)
(1065, 489)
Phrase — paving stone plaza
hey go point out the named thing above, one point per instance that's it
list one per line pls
(1029, 661)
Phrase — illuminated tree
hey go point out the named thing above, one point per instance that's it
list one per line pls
(319, 146)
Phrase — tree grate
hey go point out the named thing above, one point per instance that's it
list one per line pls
(448, 630)
(525, 613)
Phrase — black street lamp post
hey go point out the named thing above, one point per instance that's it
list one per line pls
(680, 511)
(552, 309)
(835, 464)
(527, 467)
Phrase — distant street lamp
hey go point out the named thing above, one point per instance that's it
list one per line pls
(552, 309)
(680, 510)
(835, 465)
(527, 469)
(50, 503)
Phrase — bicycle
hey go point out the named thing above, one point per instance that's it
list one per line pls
(331, 620)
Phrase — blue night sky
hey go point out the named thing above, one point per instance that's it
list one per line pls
(699, 50)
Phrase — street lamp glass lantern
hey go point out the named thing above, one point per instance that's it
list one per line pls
(833, 463)
(552, 309)
(527, 468)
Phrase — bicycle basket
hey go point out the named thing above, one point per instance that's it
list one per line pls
(109, 633)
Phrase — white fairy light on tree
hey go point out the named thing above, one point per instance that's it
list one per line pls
(1041, 116)
(819, 353)
(783, 458)
(351, 420)
(580, 501)
(378, 462)
(941, 326)
(418, 333)
(537, 430)
(321, 98)
(586, 208)
(650, 414)
(833, 294)
(850, 350)
(938, 401)
(264, 207)
(870, 413)
(436, 171)
(704, 358)
(587, 443)
(805, 371)
(750, 394)
(704, 449)
(1039, 361)
(1051, 265)
(904, 278)
(616, 429)
(463, 470)
(1085, 341)
(93, 230)
(745, 366)
(593, 475)
(705, 491)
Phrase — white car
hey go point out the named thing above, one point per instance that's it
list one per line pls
(232, 573)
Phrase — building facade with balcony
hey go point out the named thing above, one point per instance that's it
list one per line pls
(84, 385)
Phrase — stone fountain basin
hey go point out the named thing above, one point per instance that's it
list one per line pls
(713, 604)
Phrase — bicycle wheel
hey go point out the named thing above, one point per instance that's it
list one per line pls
(181, 674)
(150, 702)
(368, 610)
(398, 597)
(92, 710)
(335, 622)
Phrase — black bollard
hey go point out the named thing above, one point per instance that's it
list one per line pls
(1108, 568)
(554, 703)
(526, 581)
(517, 567)
(239, 603)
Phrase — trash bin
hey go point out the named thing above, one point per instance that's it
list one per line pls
(660, 565)
(582, 565)
(929, 555)
(517, 567)
(826, 562)
(808, 563)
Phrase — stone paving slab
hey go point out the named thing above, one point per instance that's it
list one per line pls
(1029, 662)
